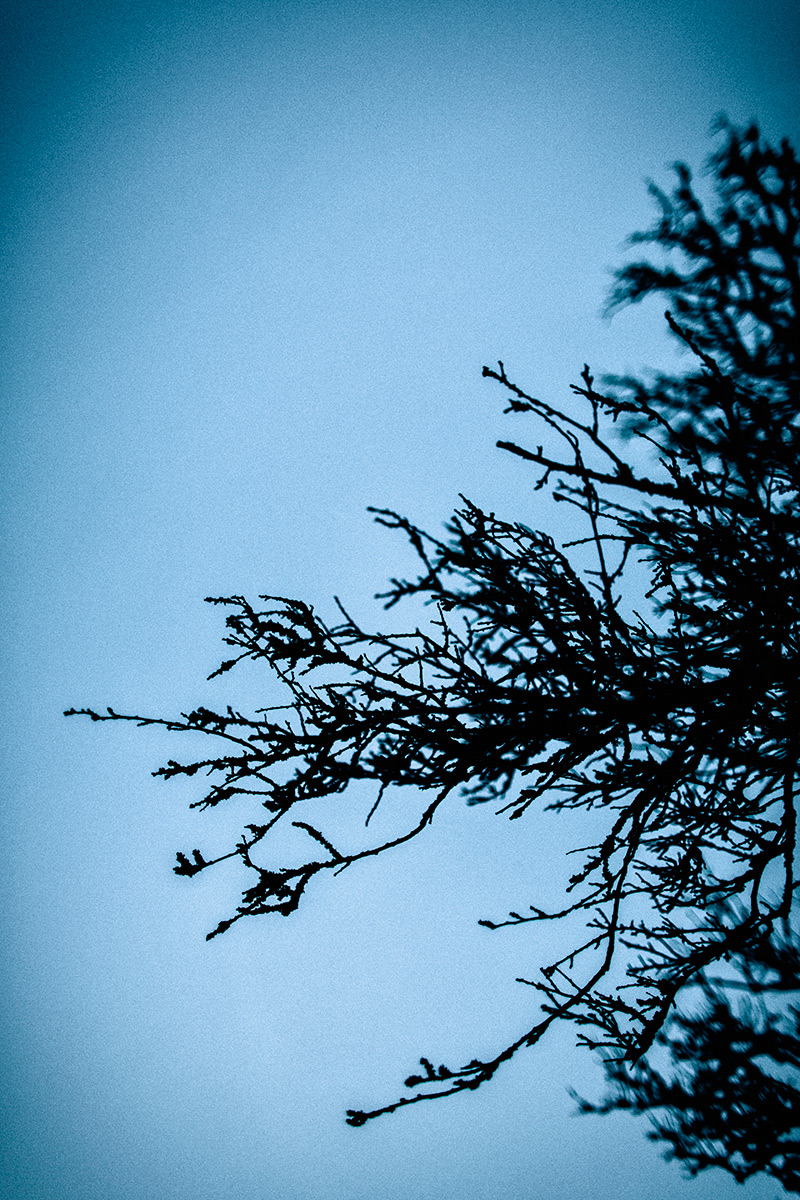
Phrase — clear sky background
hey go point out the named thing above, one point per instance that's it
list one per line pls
(254, 258)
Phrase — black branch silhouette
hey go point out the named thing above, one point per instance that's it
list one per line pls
(530, 687)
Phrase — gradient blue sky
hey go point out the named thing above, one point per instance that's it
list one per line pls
(254, 258)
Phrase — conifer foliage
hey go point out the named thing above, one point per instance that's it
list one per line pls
(537, 683)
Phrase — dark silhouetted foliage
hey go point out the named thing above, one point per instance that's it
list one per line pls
(542, 681)
(729, 1098)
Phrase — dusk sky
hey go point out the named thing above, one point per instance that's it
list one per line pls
(255, 256)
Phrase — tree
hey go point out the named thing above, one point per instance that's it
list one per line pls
(721, 1107)
(541, 680)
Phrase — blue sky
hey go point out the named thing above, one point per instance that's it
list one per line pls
(254, 258)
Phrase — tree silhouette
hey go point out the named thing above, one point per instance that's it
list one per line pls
(721, 1107)
(546, 677)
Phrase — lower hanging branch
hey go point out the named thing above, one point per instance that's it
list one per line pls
(466, 1078)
